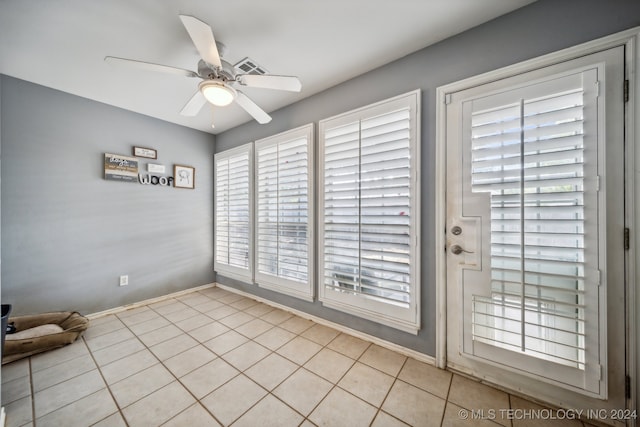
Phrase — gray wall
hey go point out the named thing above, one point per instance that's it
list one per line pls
(542, 27)
(68, 234)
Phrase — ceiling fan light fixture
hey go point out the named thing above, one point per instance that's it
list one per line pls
(217, 93)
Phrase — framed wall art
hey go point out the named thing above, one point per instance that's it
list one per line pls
(148, 153)
(184, 176)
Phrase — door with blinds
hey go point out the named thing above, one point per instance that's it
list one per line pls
(535, 205)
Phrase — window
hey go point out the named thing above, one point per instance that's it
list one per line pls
(233, 212)
(284, 247)
(369, 212)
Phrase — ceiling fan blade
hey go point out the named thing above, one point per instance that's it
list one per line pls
(251, 108)
(269, 81)
(149, 66)
(193, 105)
(202, 37)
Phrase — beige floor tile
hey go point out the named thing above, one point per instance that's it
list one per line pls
(127, 366)
(349, 346)
(385, 420)
(473, 395)
(193, 299)
(340, 408)
(62, 372)
(526, 405)
(254, 328)
(299, 350)
(236, 319)
(173, 346)
(233, 399)
(53, 357)
(427, 377)
(107, 324)
(19, 412)
(329, 364)
(320, 334)
(243, 304)
(296, 324)
(169, 308)
(159, 335)
(276, 316)
(247, 354)
(258, 309)
(226, 342)
(141, 317)
(15, 370)
(291, 390)
(455, 416)
(367, 383)
(85, 411)
(414, 406)
(158, 407)
(209, 377)
(194, 322)
(106, 340)
(307, 423)
(162, 303)
(208, 306)
(230, 298)
(137, 386)
(133, 311)
(194, 416)
(189, 360)
(275, 338)
(183, 314)
(383, 359)
(59, 395)
(208, 331)
(270, 412)
(16, 389)
(271, 371)
(114, 420)
(118, 351)
(149, 326)
(221, 312)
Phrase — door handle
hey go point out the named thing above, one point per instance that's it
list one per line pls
(457, 250)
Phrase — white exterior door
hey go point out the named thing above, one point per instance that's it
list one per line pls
(535, 219)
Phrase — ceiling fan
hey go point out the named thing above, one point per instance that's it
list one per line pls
(219, 78)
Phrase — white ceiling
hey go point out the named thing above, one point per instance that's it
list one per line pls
(62, 44)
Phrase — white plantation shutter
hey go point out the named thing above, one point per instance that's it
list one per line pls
(530, 157)
(233, 218)
(369, 212)
(283, 194)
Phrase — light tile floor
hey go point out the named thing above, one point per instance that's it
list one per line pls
(212, 357)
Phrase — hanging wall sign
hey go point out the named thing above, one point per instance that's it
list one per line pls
(120, 168)
(149, 153)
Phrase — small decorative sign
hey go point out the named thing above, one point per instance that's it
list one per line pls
(153, 168)
(120, 168)
(184, 176)
(149, 153)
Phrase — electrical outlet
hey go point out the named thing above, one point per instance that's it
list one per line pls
(124, 280)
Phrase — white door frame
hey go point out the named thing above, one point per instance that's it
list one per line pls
(630, 39)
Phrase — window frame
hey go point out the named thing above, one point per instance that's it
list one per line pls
(405, 319)
(231, 271)
(274, 282)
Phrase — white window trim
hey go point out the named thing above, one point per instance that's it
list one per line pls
(225, 269)
(276, 283)
(408, 320)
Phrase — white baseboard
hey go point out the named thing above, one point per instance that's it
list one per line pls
(375, 340)
(147, 301)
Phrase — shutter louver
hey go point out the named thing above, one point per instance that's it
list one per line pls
(529, 157)
(233, 220)
(367, 208)
(284, 244)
